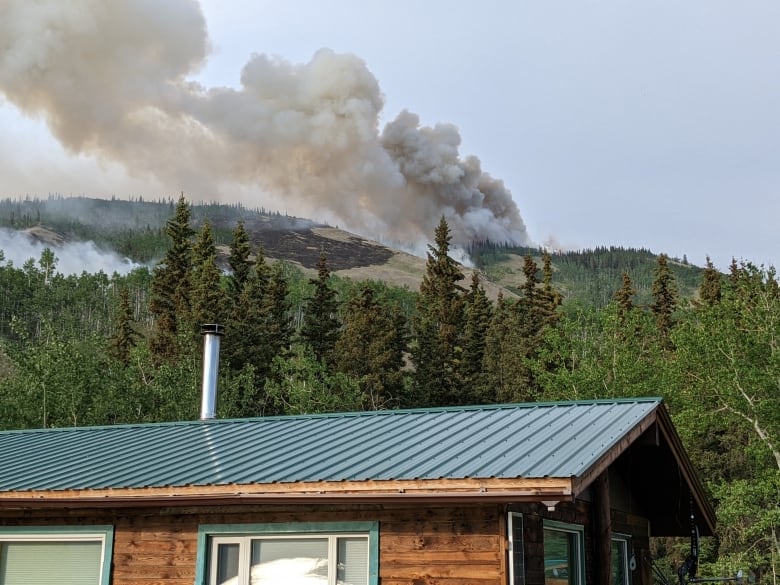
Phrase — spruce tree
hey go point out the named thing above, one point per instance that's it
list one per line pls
(371, 347)
(207, 296)
(478, 312)
(710, 289)
(498, 361)
(551, 298)
(171, 286)
(247, 339)
(320, 327)
(240, 265)
(126, 336)
(624, 297)
(276, 311)
(536, 308)
(438, 327)
(664, 298)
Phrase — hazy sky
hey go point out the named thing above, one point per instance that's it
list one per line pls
(644, 124)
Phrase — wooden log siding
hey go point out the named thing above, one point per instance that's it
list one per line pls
(418, 545)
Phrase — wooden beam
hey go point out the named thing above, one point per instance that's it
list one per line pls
(499, 490)
(602, 529)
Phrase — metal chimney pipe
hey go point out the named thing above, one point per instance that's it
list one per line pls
(212, 333)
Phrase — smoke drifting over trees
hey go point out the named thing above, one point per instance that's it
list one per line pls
(112, 80)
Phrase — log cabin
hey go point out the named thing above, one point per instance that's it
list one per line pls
(516, 494)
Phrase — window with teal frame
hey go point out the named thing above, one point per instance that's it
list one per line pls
(621, 559)
(564, 553)
(54, 555)
(516, 549)
(308, 553)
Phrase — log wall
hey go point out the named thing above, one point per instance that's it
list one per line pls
(419, 545)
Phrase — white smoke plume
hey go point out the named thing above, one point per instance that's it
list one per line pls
(72, 258)
(112, 80)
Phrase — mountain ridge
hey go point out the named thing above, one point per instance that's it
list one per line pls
(135, 229)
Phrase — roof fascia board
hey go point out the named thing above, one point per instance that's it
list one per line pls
(506, 490)
(582, 482)
(686, 466)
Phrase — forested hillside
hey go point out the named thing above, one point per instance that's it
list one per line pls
(586, 277)
(104, 349)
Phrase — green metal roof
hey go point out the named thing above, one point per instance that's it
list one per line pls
(532, 440)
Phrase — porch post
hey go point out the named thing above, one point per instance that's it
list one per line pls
(602, 530)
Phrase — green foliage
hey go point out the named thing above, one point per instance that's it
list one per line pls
(477, 315)
(301, 384)
(208, 299)
(240, 250)
(370, 348)
(600, 354)
(710, 289)
(749, 520)
(665, 298)
(172, 287)
(321, 325)
(70, 355)
(588, 278)
(126, 336)
(437, 326)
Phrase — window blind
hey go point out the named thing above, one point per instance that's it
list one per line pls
(50, 563)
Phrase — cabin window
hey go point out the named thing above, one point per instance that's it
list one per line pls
(564, 561)
(516, 551)
(271, 554)
(621, 556)
(55, 556)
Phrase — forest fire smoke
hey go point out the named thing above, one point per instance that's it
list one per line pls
(112, 80)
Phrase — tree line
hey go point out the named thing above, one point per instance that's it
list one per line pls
(103, 350)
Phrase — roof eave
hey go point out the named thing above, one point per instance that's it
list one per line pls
(698, 493)
(443, 491)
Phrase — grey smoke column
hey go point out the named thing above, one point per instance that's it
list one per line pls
(113, 81)
(212, 334)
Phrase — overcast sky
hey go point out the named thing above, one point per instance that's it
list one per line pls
(642, 124)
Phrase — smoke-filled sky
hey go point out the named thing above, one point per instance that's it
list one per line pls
(582, 124)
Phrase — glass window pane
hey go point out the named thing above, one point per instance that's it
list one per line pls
(50, 562)
(518, 553)
(352, 561)
(619, 562)
(227, 563)
(289, 561)
(560, 562)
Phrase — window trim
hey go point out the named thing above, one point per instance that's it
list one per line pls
(206, 531)
(515, 547)
(104, 533)
(578, 530)
(626, 539)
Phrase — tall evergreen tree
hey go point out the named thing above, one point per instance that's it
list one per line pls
(260, 331)
(478, 311)
(320, 327)
(551, 298)
(371, 347)
(276, 309)
(664, 298)
(516, 337)
(126, 336)
(710, 289)
(438, 327)
(207, 296)
(171, 285)
(240, 265)
(501, 362)
(624, 297)
(247, 340)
